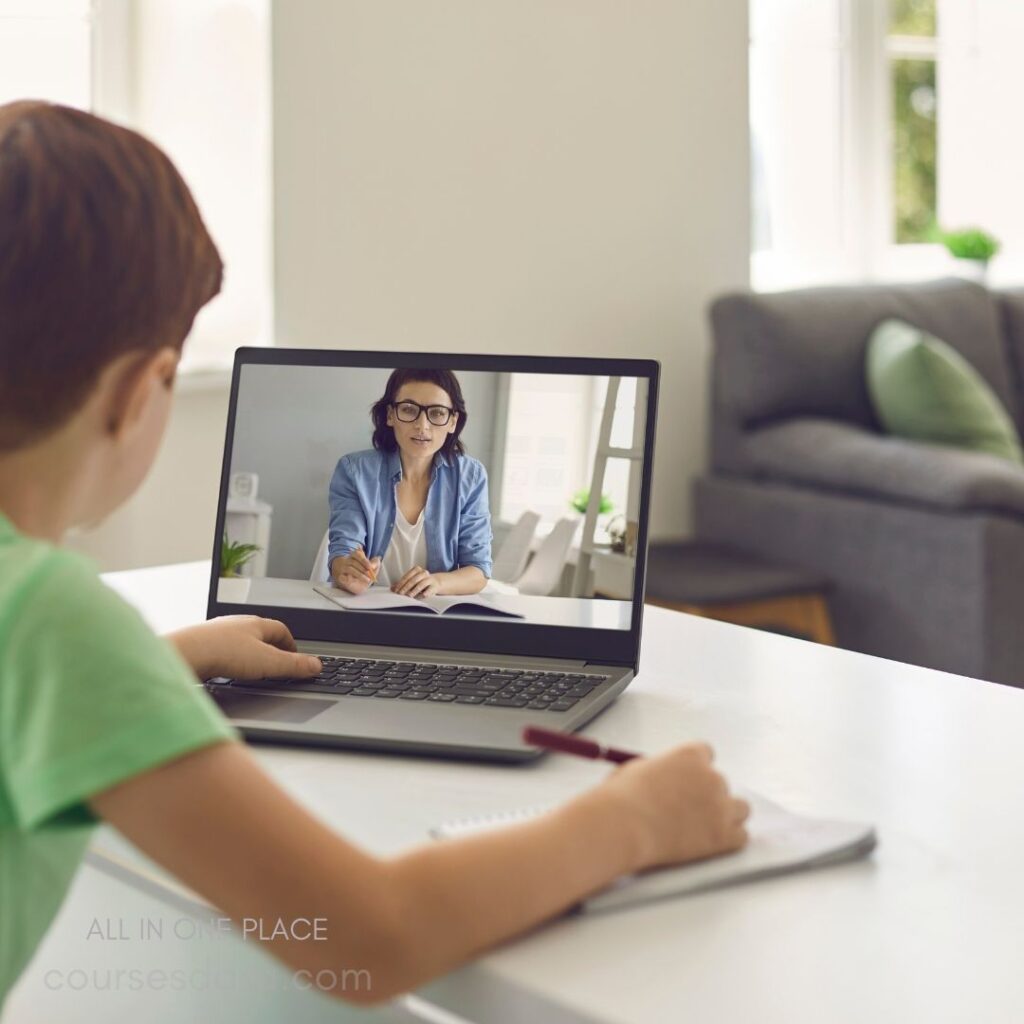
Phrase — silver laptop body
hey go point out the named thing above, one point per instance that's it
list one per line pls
(411, 667)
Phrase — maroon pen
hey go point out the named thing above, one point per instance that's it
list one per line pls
(565, 743)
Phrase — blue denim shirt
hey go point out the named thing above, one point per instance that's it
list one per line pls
(457, 527)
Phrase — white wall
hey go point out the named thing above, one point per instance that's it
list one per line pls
(549, 177)
(541, 177)
(211, 113)
(172, 517)
(194, 76)
(981, 157)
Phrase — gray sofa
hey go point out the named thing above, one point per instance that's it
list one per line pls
(924, 545)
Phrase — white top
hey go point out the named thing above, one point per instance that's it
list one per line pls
(408, 547)
(928, 928)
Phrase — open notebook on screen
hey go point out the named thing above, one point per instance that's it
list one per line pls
(381, 599)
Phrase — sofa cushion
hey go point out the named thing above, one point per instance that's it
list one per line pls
(801, 353)
(831, 456)
(924, 390)
(1011, 308)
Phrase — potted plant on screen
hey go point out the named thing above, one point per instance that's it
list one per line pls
(581, 499)
(974, 248)
(233, 587)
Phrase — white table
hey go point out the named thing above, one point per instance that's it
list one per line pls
(929, 929)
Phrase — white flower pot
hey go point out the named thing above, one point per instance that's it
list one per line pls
(972, 270)
(234, 589)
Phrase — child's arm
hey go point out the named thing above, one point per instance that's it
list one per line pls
(219, 823)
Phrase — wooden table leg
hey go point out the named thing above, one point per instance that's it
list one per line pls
(805, 614)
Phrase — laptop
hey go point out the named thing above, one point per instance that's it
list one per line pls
(535, 516)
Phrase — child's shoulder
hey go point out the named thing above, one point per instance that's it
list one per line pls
(60, 624)
(27, 563)
(42, 586)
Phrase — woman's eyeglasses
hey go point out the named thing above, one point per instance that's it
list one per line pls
(409, 412)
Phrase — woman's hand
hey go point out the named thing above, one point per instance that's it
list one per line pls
(680, 807)
(243, 647)
(417, 582)
(355, 572)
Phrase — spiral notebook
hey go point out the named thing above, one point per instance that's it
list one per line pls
(780, 843)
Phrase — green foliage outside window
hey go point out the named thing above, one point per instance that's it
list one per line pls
(912, 17)
(914, 149)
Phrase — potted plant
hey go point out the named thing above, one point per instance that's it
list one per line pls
(973, 247)
(233, 587)
(581, 499)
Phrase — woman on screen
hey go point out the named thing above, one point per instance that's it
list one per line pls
(412, 512)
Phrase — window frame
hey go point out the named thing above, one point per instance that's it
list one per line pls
(113, 67)
(115, 85)
(868, 249)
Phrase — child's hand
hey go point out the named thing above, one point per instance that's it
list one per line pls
(355, 572)
(680, 807)
(243, 647)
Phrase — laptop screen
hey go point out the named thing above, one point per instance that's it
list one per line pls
(415, 491)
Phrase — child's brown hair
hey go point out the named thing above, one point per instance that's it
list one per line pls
(102, 252)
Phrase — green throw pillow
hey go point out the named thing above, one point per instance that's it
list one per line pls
(924, 390)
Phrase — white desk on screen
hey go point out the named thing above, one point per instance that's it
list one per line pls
(929, 929)
(594, 613)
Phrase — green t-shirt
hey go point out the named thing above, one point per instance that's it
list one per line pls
(89, 697)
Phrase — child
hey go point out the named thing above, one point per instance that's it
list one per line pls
(104, 263)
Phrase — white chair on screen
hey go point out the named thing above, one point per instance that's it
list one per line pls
(510, 561)
(320, 573)
(544, 572)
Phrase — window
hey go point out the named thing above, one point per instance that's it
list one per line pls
(553, 422)
(802, 174)
(911, 49)
(201, 89)
(45, 51)
(193, 75)
(871, 122)
(549, 423)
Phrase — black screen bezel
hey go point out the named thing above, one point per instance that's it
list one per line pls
(611, 646)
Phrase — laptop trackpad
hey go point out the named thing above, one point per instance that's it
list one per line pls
(268, 707)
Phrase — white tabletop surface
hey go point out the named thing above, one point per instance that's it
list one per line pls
(930, 928)
(591, 613)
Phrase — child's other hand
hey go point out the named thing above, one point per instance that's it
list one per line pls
(355, 572)
(243, 647)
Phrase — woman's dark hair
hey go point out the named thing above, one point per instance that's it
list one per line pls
(102, 252)
(384, 436)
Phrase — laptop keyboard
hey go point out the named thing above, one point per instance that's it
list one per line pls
(442, 684)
